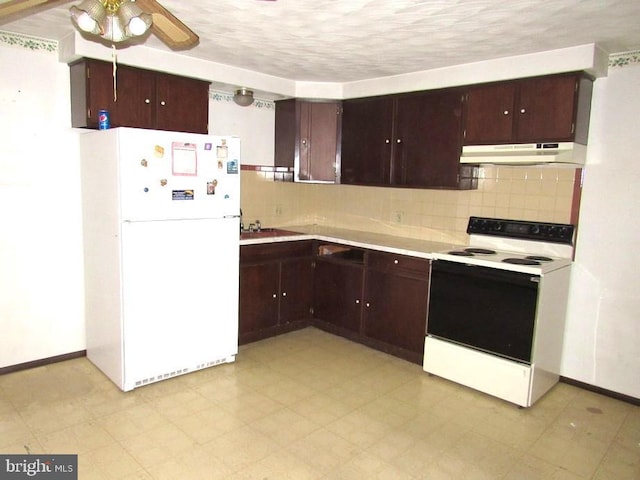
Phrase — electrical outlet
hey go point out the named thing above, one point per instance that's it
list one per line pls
(398, 216)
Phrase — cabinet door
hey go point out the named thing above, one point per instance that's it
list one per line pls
(135, 104)
(318, 140)
(546, 109)
(427, 140)
(489, 115)
(182, 104)
(338, 294)
(91, 91)
(366, 141)
(396, 310)
(296, 290)
(286, 129)
(258, 297)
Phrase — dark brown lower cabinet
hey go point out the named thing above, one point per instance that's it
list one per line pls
(276, 288)
(375, 298)
(258, 297)
(338, 294)
(296, 290)
(396, 310)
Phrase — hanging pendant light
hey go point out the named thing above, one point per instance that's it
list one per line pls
(243, 97)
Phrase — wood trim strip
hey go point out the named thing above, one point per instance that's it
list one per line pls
(602, 391)
(41, 362)
(264, 168)
(577, 195)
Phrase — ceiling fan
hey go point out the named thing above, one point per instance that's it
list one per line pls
(112, 20)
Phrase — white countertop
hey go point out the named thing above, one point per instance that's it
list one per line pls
(373, 241)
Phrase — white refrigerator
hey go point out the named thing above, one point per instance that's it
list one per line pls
(161, 246)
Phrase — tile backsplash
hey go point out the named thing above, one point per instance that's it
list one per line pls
(523, 193)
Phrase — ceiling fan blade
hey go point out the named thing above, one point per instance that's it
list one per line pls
(12, 7)
(167, 27)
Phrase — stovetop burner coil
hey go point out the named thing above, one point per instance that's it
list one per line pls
(461, 253)
(539, 258)
(481, 251)
(471, 251)
(521, 261)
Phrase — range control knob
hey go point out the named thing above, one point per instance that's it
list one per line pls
(564, 232)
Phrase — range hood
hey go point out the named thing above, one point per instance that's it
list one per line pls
(562, 153)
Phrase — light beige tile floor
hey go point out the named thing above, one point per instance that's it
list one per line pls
(310, 405)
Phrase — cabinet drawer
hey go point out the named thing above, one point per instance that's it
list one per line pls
(341, 253)
(275, 251)
(398, 264)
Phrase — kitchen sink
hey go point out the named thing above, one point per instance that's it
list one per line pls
(267, 233)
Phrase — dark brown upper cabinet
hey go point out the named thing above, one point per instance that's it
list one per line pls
(137, 98)
(427, 140)
(542, 109)
(367, 129)
(307, 139)
(409, 140)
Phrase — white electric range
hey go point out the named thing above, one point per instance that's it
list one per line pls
(497, 308)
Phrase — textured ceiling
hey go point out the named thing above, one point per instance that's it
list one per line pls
(348, 40)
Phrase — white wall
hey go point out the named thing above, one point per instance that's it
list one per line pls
(255, 125)
(41, 282)
(41, 270)
(602, 344)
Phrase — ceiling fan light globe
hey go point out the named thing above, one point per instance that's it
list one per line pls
(135, 21)
(88, 16)
(137, 26)
(86, 23)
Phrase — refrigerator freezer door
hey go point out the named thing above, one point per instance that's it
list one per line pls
(180, 297)
(169, 175)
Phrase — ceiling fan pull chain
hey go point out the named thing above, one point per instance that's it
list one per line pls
(115, 67)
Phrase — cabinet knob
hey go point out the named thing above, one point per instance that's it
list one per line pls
(398, 140)
(304, 141)
(386, 140)
(506, 112)
(163, 103)
(395, 262)
(523, 110)
(368, 304)
(147, 100)
(284, 294)
(275, 296)
(357, 301)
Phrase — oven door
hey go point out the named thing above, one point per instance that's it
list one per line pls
(488, 309)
